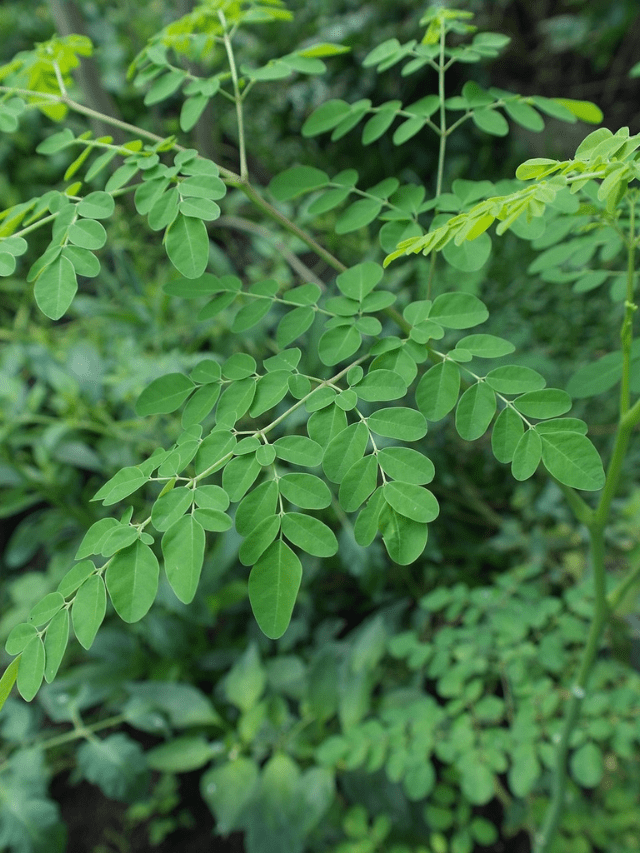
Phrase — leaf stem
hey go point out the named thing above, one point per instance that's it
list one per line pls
(244, 172)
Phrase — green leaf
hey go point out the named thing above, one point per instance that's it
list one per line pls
(398, 422)
(183, 551)
(357, 282)
(437, 391)
(458, 310)
(411, 501)
(213, 520)
(408, 129)
(524, 115)
(164, 395)
(96, 205)
(582, 110)
(55, 643)
(296, 181)
(475, 411)
(118, 538)
(325, 424)
(330, 200)
(325, 117)
(121, 485)
(171, 506)
(525, 769)
(338, 344)
(239, 475)
(19, 638)
(406, 465)
(228, 788)
(598, 377)
(214, 451)
(486, 346)
(31, 669)
(294, 324)
(344, 450)
(490, 121)
(547, 403)
(469, 256)
(45, 609)
(84, 262)
(132, 581)
(77, 575)
(380, 122)
(8, 679)
(381, 385)
(299, 450)
(273, 587)
(56, 142)
(55, 288)
(191, 110)
(257, 542)
(507, 432)
(358, 483)
(305, 491)
(200, 405)
(366, 527)
(309, 534)
(562, 425)
(357, 215)
(257, 505)
(206, 371)
(404, 539)
(187, 245)
(270, 390)
(527, 455)
(180, 755)
(573, 460)
(89, 607)
(164, 86)
(239, 366)
(199, 208)
(513, 379)
(87, 234)
(586, 764)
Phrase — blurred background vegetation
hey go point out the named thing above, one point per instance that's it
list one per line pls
(190, 730)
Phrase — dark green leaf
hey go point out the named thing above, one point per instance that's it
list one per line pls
(171, 506)
(366, 526)
(239, 475)
(357, 282)
(257, 542)
(294, 324)
(299, 450)
(325, 117)
(357, 215)
(296, 181)
(486, 346)
(270, 390)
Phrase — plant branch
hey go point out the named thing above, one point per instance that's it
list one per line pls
(244, 172)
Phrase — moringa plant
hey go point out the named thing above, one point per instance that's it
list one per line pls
(336, 414)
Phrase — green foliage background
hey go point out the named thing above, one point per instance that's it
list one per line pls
(461, 659)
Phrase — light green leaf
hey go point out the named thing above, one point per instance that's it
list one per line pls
(524, 115)
(411, 501)
(87, 234)
(257, 505)
(330, 200)
(191, 110)
(77, 575)
(408, 129)
(132, 581)
(507, 432)
(582, 110)
(573, 460)
(200, 405)
(406, 465)
(171, 506)
(547, 403)
(31, 669)
(525, 769)
(325, 424)
(89, 607)
(379, 123)
(527, 455)
(562, 425)
(305, 491)
(206, 372)
(358, 483)
(8, 679)
(19, 638)
(513, 379)
(180, 755)
(398, 422)
(257, 542)
(121, 485)
(586, 764)
(357, 215)
(164, 86)
(437, 391)
(214, 451)
(164, 395)
(338, 344)
(55, 288)
(458, 310)
(381, 385)
(199, 208)
(84, 262)
(597, 377)
(273, 587)
(118, 538)
(296, 181)
(404, 539)
(56, 142)
(239, 366)
(183, 551)
(187, 245)
(309, 534)
(55, 643)
(475, 411)
(299, 450)
(344, 450)
(213, 520)
(490, 121)
(227, 789)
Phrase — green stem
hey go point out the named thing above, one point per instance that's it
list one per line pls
(442, 149)
(244, 172)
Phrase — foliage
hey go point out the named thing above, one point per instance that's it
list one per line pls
(317, 395)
